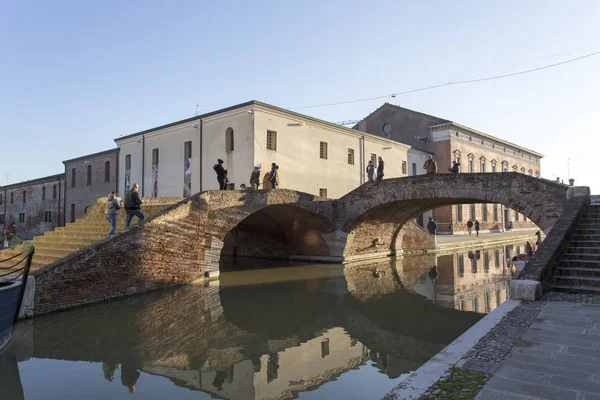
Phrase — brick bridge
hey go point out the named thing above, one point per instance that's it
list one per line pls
(185, 242)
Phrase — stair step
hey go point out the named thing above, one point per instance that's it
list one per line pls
(578, 271)
(583, 250)
(576, 289)
(580, 257)
(587, 281)
(586, 231)
(579, 263)
(577, 236)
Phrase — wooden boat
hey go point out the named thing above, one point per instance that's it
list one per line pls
(13, 280)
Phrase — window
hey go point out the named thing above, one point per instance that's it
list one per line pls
(498, 301)
(471, 163)
(43, 192)
(21, 218)
(128, 161)
(12, 197)
(230, 186)
(374, 158)
(461, 304)
(457, 156)
(323, 150)
(47, 216)
(1, 218)
(475, 304)
(494, 163)
(73, 177)
(461, 265)
(72, 212)
(53, 191)
(414, 169)
(473, 212)
(154, 156)
(351, 156)
(24, 196)
(187, 150)
(459, 213)
(323, 192)
(522, 170)
(89, 175)
(271, 140)
(482, 164)
(473, 263)
(1, 199)
(107, 171)
(486, 261)
(537, 174)
(404, 167)
(504, 166)
(486, 298)
(495, 212)
(484, 215)
(229, 140)
(530, 172)
(515, 168)
(324, 348)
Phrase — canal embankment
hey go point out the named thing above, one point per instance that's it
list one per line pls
(451, 243)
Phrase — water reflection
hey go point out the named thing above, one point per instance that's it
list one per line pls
(265, 333)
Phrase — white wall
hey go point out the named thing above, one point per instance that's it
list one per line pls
(418, 158)
(133, 147)
(392, 154)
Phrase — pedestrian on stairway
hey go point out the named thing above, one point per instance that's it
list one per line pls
(380, 166)
(432, 226)
(469, 226)
(430, 166)
(476, 228)
(111, 210)
(221, 174)
(371, 171)
(274, 175)
(132, 206)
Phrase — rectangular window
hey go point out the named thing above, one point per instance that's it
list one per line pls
(323, 192)
(486, 298)
(107, 171)
(53, 191)
(128, 161)
(21, 218)
(351, 156)
(323, 150)
(403, 167)
(486, 260)
(497, 258)
(498, 301)
(271, 140)
(374, 158)
(482, 167)
(1, 199)
(89, 175)
(495, 212)
(154, 156)
(475, 304)
(459, 213)
(472, 212)
(12, 197)
(187, 150)
(471, 166)
(24, 196)
(43, 192)
(493, 167)
(73, 177)
(484, 215)
(324, 348)
(47, 216)
(72, 212)
(230, 186)
(414, 169)
(461, 266)
(1, 218)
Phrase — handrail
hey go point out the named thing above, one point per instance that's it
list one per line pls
(10, 258)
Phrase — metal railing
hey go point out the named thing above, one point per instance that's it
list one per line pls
(20, 269)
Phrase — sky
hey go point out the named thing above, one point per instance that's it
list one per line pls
(75, 75)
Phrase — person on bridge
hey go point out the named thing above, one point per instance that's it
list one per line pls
(455, 167)
(221, 174)
(476, 228)
(430, 166)
(371, 172)
(274, 179)
(432, 226)
(255, 177)
(380, 167)
(469, 226)
(132, 206)
(111, 209)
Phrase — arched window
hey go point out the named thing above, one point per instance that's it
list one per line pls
(530, 172)
(471, 162)
(504, 166)
(515, 168)
(482, 161)
(107, 171)
(537, 174)
(522, 170)
(493, 163)
(457, 156)
(229, 142)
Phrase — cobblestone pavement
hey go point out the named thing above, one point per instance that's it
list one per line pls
(556, 354)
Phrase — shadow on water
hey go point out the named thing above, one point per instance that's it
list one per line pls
(244, 338)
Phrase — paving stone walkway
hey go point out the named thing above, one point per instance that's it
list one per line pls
(556, 357)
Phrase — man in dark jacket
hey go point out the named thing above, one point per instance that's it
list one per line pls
(455, 167)
(274, 179)
(469, 226)
(432, 226)
(132, 206)
(477, 228)
(221, 174)
(371, 171)
(380, 167)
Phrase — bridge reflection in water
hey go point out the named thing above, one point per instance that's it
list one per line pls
(264, 333)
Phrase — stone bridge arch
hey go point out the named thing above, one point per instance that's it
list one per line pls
(379, 211)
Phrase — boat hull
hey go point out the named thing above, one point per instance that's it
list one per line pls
(10, 293)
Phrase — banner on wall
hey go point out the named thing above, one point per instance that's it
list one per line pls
(155, 180)
(187, 177)
(127, 173)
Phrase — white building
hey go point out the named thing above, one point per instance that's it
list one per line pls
(314, 156)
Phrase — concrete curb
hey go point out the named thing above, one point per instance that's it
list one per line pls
(423, 378)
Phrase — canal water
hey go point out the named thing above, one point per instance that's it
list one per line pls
(294, 331)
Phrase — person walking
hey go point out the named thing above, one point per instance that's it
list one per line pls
(380, 167)
(430, 166)
(455, 167)
(476, 228)
(432, 226)
(370, 172)
(469, 226)
(274, 179)
(255, 177)
(221, 174)
(132, 206)
(111, 209)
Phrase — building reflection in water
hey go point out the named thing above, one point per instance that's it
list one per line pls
(273, 333)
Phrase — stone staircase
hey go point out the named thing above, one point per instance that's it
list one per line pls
(54, 245)
(579, 266)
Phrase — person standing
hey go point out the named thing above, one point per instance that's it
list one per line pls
(111, 210)
(455, 167)
(274, 179)
(469, 226)
(476, 228)
(132, 206)
(221, 174)
(371, 172)
(380, 167)
(430, 166)
(432, 226)
(255, 177)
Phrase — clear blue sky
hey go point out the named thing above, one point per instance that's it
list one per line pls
(74, 75)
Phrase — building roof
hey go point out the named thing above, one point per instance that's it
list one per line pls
(443, 122)
(34, 181)
(116, 149)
